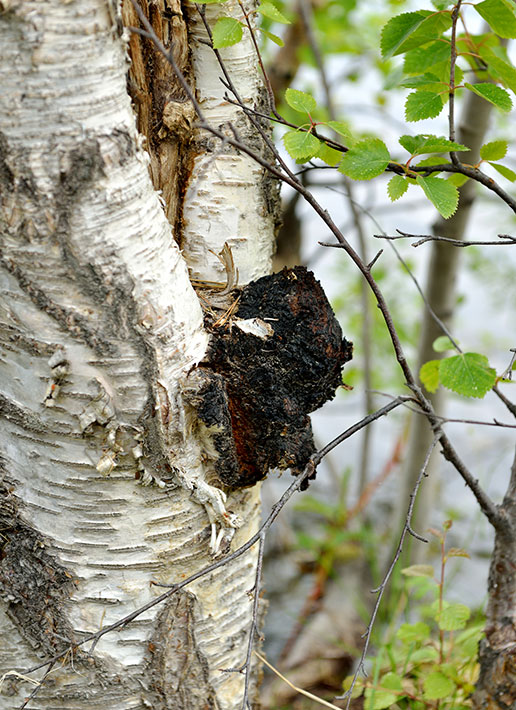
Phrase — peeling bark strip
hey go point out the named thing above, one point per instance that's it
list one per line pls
(164, 113)
(277, 359)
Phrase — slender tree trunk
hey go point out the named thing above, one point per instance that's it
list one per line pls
(496, 686)
(441, 295)
(103, 480)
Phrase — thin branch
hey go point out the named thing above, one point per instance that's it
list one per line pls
(423, 238)
(301, 691)
(381, 589)
(451, 96)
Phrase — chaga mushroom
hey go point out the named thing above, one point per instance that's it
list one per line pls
(279, 358)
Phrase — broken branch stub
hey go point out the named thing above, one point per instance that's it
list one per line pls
(278, 359)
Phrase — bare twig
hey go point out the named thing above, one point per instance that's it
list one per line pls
(451, 96)
(423, 238)
(381, 589)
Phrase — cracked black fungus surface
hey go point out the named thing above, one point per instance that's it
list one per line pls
(273, 384)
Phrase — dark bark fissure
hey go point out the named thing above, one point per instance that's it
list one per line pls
(178, 671)
(32, 584)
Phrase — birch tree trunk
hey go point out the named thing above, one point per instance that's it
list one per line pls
(103, 480)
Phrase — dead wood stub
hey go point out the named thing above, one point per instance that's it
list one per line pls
(272, 383)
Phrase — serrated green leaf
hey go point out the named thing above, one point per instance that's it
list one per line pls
(329, 155)
(432, 160)
(436, 686)
(422, 144)
(494, 150)
(457, 179)
(366, 160)
(453, 617)
(424, 655)
(418, 571)
(301, 145)
(500, 16)
(505, 171)
(396, 187)
(267, 9)
(442, 343)
(411, 633)
(300, 101)
(498, 68)
(412, 29)
(429, 375)
(381, 696)
(441, 193)
(422, 104)
(226, 32)
(427, 81)
(274, 38)
(492, 93)
(468, 374)
(340, 127)
(422, 58)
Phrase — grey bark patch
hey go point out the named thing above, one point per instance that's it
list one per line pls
(33, 585)
(177, 668)
(265, 387)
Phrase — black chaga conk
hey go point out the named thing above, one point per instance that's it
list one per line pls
(279, 358)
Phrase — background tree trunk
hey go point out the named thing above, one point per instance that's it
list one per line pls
(99, 325)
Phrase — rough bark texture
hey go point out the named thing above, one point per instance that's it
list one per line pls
(99, 324)
(496, 686)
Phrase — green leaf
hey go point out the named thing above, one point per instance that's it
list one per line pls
(412, 29)
(468, 374)
(492, 93)
(367, 159)
(329, 155)
(505, 171)
(442, 343)
(300, 101)
(442, 4)
(397, 187)
(267, 9)
(457, 179)
(500, 15)
(499, 68)
(422, 58)
(226, 33)
(429, 375)
(411, 633)
(441, 193)
(381, 697)
(301, 145)
(453, 617)
(422, 144)
(436, 686)
(422, 104)
(495, 150)
(427, 81)
(274, 38)
(418, 571)
(340, 127)
(424, 655)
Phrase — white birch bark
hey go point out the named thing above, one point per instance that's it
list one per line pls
(98, 324)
